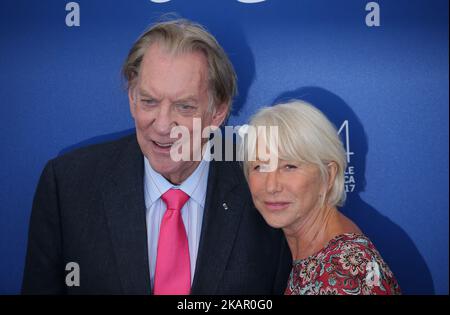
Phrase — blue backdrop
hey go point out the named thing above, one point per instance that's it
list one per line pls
(385, 87)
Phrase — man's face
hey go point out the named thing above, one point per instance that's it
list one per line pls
(171, 90)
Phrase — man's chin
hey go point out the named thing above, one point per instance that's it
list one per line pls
(164, 168)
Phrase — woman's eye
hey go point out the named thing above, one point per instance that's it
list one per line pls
(290, 166)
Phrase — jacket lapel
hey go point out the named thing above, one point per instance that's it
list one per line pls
(123, 196)
(219, 228)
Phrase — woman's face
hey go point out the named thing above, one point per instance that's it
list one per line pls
(289, 194)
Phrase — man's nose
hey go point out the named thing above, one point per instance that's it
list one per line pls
(273, 184)
(163, 121)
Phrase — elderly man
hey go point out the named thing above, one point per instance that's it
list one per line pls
(134, 220)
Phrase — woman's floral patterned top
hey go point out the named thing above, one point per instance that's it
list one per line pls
(348, 265)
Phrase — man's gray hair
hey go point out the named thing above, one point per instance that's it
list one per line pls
(183, 36)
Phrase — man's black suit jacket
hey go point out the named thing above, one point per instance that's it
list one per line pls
(89, 208)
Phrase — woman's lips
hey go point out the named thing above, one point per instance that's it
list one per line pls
(275, 206)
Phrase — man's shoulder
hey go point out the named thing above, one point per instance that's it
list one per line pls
(232, 169)
(97, 151)
(94, 157)
(229, 175)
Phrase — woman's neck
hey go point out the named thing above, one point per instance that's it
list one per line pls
(311, 233)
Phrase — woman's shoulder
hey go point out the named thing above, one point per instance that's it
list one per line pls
(352, 265)
(349, 242)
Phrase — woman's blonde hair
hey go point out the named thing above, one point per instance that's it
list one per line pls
(306, 136)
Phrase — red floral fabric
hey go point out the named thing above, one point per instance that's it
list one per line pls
(348, 265)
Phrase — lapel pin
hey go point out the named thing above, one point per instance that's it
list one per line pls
(225, 206)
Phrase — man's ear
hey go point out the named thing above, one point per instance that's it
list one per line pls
(132, 100)
(332, 172)
(219, 115)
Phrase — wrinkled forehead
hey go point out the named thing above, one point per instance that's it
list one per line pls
(184, 70)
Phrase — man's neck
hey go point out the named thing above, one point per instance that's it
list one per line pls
(177, 179)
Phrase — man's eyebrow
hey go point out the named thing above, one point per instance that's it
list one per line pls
(144, 92)
(186, 99)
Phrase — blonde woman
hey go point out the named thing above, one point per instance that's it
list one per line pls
(301, 195)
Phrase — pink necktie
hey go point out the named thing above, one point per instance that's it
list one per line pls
(173, 269)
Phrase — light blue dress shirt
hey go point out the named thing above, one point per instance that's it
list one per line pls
(192, 212)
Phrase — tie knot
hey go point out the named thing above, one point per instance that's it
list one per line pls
(174, 199)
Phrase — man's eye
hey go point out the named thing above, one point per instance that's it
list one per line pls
(185, 108)
(148, 102)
